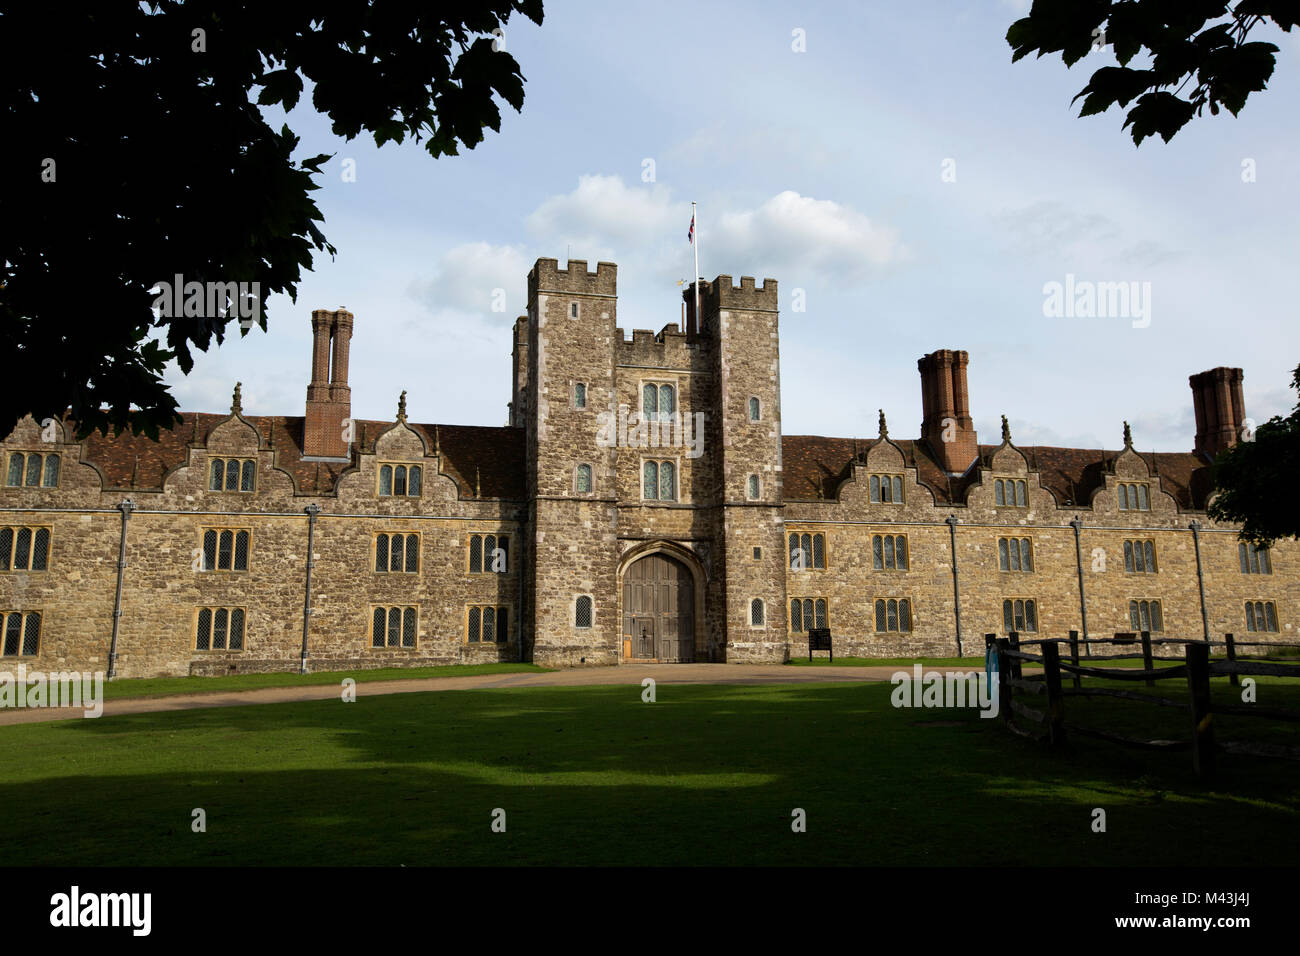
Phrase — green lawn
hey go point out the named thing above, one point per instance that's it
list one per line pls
(706, 775)
(965, 663)
(167, 686)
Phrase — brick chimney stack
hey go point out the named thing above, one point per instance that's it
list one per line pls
(946, 410)
(1220, 409)
(329, 399)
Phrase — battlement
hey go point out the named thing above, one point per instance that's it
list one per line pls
(725, 296)
(546, 276)
(721, 295)
(668, 349)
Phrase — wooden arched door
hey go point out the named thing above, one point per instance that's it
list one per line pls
(658, 610)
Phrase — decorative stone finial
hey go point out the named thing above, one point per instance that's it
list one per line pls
(884, 429)
(236, 406)
(1006, 431)
(478, 483)
(1128, 436)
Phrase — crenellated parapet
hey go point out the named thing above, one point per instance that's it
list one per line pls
(546, 277)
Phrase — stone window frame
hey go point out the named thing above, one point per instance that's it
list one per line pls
(755, 481)
(212, 610)
(878, 478)
(761, 605)
(12, 550)
(757, 553)
(406, 552)
(42, 473)
(1131, 547)
(902, 602)
(1155, 621)
(408, 465)
(573, 608)
(501, 633)
(1122, 492)
(591, 477)
(659, 461)
(907, 550)
(1000, 484)
(388, 609)
(23, 617)
(753, 413)
(574, 311)
(812, 564)
(1038, 617)
(818, 604)
(225, 471)
(1254, 560)
(673, 382)
(1266, 609)
(580, 406)
(1019, 539)
(234, 549)
(483, 563)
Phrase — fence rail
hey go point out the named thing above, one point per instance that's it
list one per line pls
(1195, 666)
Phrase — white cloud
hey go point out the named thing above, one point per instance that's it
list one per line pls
(789, 235)
(604, 210)
(792, 235)
(469, 276)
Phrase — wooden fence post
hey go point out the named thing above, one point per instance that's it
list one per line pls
(1198, 692)
(1074, 657)
(1147, 663)
(1232, 656)
(1004, 679)
(1055, 701)
(1014, 637)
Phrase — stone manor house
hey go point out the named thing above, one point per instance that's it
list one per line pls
(642, 504)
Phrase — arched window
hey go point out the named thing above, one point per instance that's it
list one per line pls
(756, 616)
(650, 481)
(754, 408)
(650, 402)
(667, 481)
(404, 480)
(580, 395)
(582, 612)
(667, 401)
(583, 479)
(753, 487)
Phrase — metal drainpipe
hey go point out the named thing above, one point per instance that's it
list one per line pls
(311, 511)
(1200, 577)
(126, 506)
(1076, 524)
(519, 583)
(956, 596)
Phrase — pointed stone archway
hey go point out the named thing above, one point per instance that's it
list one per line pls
(661, 592)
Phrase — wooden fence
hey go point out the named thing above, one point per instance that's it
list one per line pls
(1194, 665)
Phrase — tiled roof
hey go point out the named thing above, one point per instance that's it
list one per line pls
(814, 467)
(491, 458)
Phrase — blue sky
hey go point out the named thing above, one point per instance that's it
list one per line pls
(821, 169)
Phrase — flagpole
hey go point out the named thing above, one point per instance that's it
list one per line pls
(699, 322)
